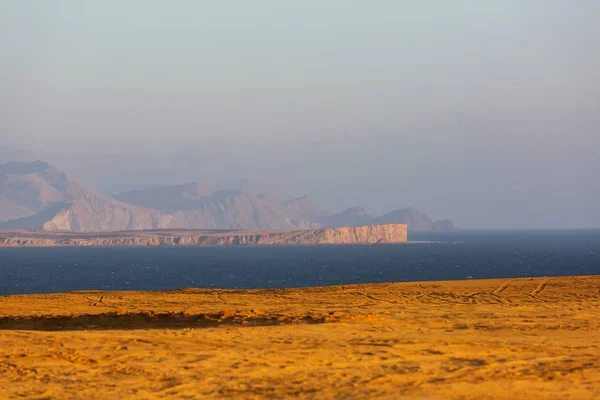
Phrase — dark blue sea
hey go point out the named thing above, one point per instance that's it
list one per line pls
(428, 256)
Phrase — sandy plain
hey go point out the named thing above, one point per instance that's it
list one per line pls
(478, 339)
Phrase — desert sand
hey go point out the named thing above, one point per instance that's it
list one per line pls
(478, 339)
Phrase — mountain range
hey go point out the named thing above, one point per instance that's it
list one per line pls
(35, 195)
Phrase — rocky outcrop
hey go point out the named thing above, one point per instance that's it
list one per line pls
(370, 234)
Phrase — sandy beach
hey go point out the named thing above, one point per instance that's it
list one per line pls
(478, 339)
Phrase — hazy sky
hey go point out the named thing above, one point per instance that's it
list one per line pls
(485, 112)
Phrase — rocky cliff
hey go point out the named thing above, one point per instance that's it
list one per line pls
(370, 234)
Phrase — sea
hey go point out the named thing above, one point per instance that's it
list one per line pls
(427, 256)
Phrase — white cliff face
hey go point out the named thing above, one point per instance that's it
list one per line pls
(389, 233)
(370, 234)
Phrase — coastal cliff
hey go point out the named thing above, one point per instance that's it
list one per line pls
(368, 234)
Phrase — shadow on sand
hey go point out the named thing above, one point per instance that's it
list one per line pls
(147, 320)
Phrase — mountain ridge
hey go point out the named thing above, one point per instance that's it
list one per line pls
(35, 195)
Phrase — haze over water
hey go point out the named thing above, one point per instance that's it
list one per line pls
(486, 113)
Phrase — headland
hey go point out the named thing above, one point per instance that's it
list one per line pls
(367, 234)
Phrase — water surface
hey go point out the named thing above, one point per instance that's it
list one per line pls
(429, 256)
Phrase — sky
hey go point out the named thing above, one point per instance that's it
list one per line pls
(486, 113)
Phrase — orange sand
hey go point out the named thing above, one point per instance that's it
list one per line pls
(484, 339)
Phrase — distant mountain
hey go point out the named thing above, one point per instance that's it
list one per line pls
(304, 208)
(238, 209)
(95, 213)
(211, 207)
(258, 188)
(350, 217)
(35, 195)
(189, 196)
(28, 188)
(48, 199)
(415, 219)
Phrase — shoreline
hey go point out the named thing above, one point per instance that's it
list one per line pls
(44, 302)
(199, 288)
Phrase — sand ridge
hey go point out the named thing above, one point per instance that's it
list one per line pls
(476, 339)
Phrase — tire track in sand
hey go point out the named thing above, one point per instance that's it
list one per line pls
(540, 288)
(502, 287)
